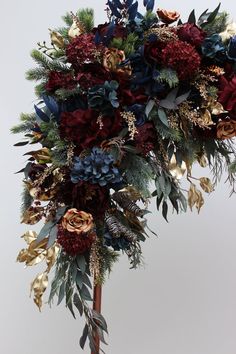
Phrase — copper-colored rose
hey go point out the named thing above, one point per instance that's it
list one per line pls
(226, 129)
(112, 59)
(168, 17)
(77, 221)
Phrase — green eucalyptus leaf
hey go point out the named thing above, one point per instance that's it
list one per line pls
(78, 304)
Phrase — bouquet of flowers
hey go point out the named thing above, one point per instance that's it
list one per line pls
(124, 111)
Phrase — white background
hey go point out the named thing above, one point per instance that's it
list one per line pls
(183, 302)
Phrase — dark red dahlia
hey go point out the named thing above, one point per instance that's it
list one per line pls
(146, 138)
(82, 49)
(82, 127)
(227, 95)
(191, 33)
(58, 80)
(181, 57)
(73, 243)
(91, 198)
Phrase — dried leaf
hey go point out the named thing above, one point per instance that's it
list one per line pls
(206, 184)
(200, 200)
(202, 160)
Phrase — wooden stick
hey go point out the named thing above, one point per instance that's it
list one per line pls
(97, 304)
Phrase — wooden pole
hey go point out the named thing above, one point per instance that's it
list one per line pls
(97, 304)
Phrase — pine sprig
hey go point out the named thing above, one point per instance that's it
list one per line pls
(26, 125)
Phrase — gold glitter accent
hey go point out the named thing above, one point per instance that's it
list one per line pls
(94, 262)
(164, 34)
(130, 119)
(70, 154)
(100, 122)
(216, 70)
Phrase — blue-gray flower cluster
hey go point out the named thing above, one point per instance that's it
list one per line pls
(97, 168)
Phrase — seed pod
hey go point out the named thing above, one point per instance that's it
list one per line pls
(123, 199)
(112, 225)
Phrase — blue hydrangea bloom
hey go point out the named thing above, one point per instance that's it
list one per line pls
(231, 52)
(212, 46)
(97, 168)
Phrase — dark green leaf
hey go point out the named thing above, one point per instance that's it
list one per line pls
(158, 201)
(45, 230)
(79, 280)
(182, 98)
(165, 210)
(87, 281)
(61, 294)
(84, 336)
(52, 236)
(78, 304)
(81, 263)
(70, 307)
(163, 117)
(101, 320)
(192, 17)
(213, 14)
(22, 143)
(85, 294)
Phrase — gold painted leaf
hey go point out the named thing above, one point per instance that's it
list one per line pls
(192, 196)
(29, 236)
(202, 160)
(206, 184)
(38, 286)
(57, 39)
(200, 200)
(175, 170)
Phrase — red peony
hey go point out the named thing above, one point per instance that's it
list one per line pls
(91, 198)
(82, 127)
(82, 50)
(191, 33)
(73, 243)
(181, 57)
(146, 138)
(227, 95)
(58, 80)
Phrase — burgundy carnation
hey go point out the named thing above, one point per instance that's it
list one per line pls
(191, 33)
(73, 243)
(181, 57)
(58, 80)
(91, 198)
(83, 129)
(146, 138)
(81, 50)
(227, 95)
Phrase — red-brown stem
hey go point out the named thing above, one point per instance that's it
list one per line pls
(97, 304)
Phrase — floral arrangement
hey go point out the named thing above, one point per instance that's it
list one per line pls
(125, 110)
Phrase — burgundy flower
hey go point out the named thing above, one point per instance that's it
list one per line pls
(191, 33)
(58, 80)
(146, 138)
(73, 243)
(181, 57)
(227, 95)
(81, 50)
(82, 127)
(119, 30)
(91, 198)
(153, 51)
(92, 74)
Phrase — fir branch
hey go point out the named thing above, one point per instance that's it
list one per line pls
(26, 200)
(166, 132)
(137, 173)
(28, 123)
(40, 89)
(41, 59)
(218, 25)
(36, 74)
(86, 17)
(67, 18)
(169, 76)
(63, 94)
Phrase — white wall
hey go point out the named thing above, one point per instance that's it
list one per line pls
(183, 302)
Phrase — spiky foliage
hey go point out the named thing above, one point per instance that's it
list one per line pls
(86, 17)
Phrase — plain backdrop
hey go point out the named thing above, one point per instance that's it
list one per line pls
(182, 302)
